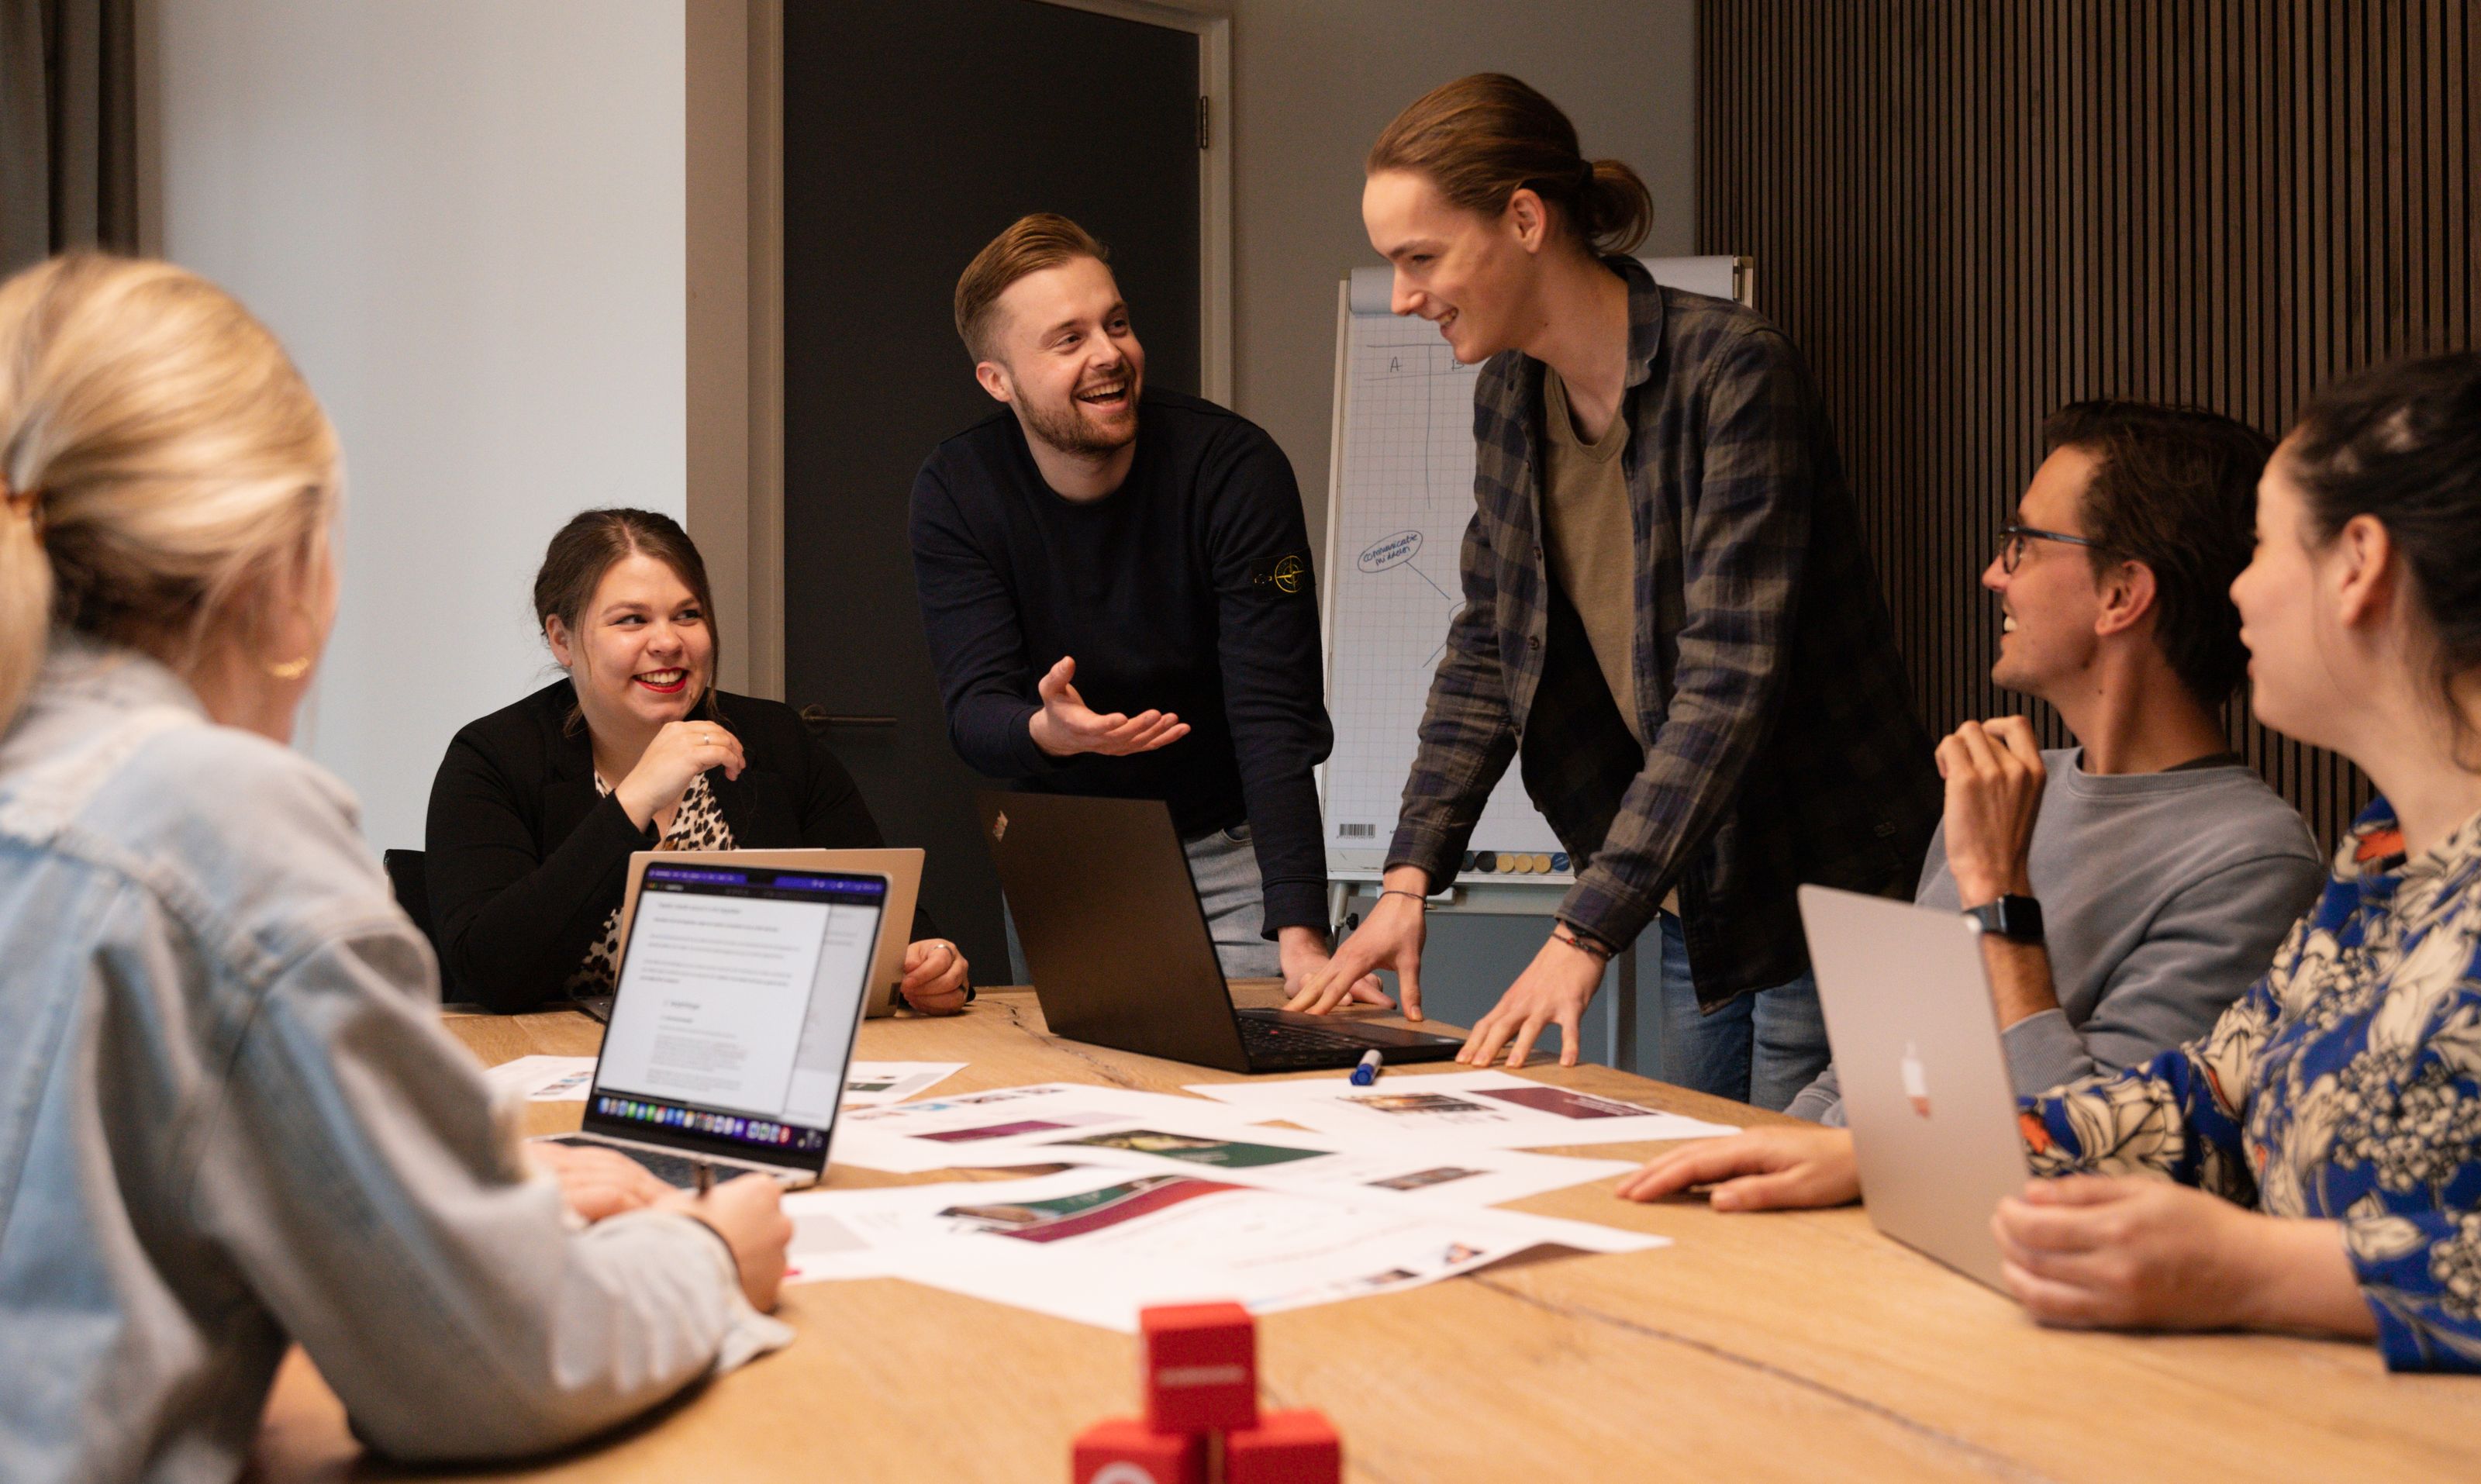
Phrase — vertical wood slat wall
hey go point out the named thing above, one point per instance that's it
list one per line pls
(1968, 212)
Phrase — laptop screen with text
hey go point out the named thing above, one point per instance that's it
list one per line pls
(734, 1015)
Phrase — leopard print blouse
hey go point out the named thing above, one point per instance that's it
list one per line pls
(698, 825)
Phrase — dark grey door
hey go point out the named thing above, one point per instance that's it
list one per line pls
(913, 132)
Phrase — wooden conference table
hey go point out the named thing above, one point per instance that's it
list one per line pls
(1785, 1346)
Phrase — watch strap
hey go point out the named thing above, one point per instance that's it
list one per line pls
(2015, 918)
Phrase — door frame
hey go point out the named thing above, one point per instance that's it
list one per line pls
(1211, 25)
(736, 270)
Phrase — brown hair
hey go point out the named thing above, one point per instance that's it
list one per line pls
(162, 459)
(595, 541)
(1481, 137)
(1031, 244)
(2174, 487)
(2402, 442)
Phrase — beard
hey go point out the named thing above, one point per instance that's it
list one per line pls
(1067, 425)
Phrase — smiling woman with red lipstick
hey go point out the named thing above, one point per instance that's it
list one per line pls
(538, 806)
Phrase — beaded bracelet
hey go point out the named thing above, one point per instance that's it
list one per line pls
(1581, 943)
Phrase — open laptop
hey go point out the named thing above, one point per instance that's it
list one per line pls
(901, 867)
(1925, 1083)
(733, 1020)
(1119, 951)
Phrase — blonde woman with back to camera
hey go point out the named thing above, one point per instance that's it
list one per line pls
(228, 1118)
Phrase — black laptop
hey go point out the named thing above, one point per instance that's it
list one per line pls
(1118, 947)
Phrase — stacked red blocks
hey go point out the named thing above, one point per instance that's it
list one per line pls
(1199, 1372)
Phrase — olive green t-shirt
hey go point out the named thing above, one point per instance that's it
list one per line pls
(1590, 542)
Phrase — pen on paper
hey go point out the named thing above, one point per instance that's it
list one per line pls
(1367, 1072)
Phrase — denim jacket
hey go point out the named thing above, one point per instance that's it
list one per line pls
(230, 1121)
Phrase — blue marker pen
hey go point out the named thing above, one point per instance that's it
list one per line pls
(1368, 1071)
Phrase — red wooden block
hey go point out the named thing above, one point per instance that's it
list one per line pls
(1285, 1447)
(1199, 1367)
(1124, 1451)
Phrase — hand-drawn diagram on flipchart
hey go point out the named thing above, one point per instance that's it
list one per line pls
(1402, 498)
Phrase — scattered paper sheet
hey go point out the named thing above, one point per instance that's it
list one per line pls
(878, 1083)
(1484, 1110)
(1440, 1174)
(543, 1078)
(1041, 1123)
(1097, 1246)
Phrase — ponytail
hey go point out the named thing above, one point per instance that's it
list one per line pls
(1482, 138)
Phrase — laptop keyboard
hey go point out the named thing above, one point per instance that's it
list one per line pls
(670, 1169)
(1271, 1044)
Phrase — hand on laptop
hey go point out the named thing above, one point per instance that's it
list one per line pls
(1775, 1168)
(1554, 989)
(1993, 776)
(596, 1183)
(1067, 725)
(1305, 959)
(1390, 937)
(747, 1213)
(934, 976)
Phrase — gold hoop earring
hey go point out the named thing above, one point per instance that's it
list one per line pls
(289, 669)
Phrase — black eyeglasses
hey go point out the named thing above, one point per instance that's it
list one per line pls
(2012, 539)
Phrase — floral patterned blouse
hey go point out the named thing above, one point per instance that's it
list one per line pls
(698, 824)
(2344, 1086)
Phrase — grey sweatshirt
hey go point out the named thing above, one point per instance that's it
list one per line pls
(2163, 898)
(229, 1121)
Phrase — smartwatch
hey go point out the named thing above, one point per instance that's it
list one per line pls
(2015, 918)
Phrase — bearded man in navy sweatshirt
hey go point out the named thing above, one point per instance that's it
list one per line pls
(1116, 586)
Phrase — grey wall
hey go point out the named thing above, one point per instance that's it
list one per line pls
(1314, 81)
(464, 219)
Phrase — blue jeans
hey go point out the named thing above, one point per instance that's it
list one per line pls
(1762, 1048)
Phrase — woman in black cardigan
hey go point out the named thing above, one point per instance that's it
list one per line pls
(537, 806)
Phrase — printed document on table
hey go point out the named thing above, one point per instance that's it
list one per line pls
(1440, 1174)
(543, 1078)
(1034, 1125)
(1097, 1246)
(1488, 1109)
(878, 1083)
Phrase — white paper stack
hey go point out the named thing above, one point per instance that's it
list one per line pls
(1096, 1245)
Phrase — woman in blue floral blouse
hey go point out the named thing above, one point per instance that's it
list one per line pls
(2324, 1140)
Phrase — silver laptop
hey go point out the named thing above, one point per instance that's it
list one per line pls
(902, 866)
(740, 993)
(1925, 1083)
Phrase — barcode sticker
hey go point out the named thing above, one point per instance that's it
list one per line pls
(1356, 831)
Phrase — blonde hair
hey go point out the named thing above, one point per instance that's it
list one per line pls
(161, 453)
(1031, 244)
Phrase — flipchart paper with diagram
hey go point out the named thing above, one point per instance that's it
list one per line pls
(1399, 498)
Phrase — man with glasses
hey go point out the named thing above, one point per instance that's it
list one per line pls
(2130, 886)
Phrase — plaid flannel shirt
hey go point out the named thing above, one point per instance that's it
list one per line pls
(1782, 744)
